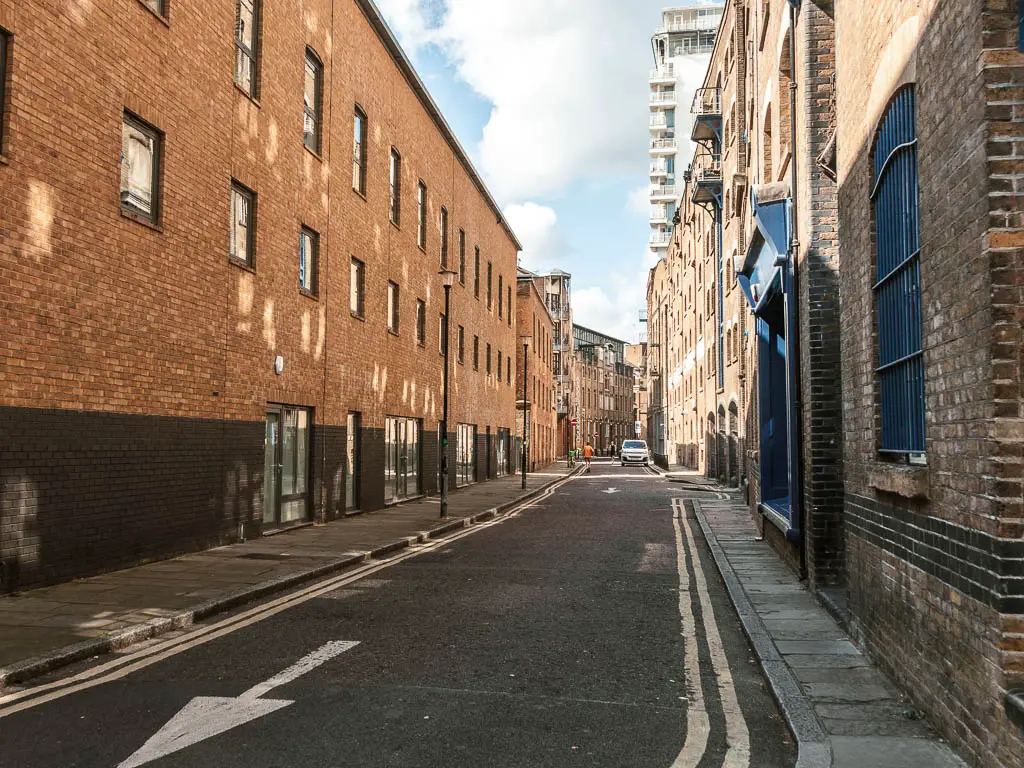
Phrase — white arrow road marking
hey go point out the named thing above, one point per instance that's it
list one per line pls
(611, 490)
(736, 734)
(208, 716)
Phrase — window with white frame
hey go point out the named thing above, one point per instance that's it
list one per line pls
(444, 238)
(140, 160)
(395, 198)
(359, 151)
(357, 278)
(421, 221)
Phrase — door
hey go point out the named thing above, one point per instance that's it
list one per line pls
(286, 463)
(352, 462)
(402, 464)
(773, 413)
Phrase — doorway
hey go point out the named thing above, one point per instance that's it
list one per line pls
(771, 341)
(286, 463)
(402, 459)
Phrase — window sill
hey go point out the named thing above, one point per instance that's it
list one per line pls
(422, 248)
(393, 332)
(359, 193)
(395, 224)
(907, 481)
(309, 294)
(247, 95)
(357, 316)
(4, 160)
(140, 219)
(163, 19)
(241, 264)
(313, 152)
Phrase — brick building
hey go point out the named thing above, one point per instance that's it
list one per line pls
(535, 357)
(930, 137)
(216, 332)
(605, 384)
(636, 358)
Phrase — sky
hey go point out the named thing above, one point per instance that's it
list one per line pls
(549, 97)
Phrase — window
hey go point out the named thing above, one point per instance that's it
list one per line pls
(421, 322)
(357, 280)
(359, 151)
(352, 436)
(499, 365)
(395, 200)
(508, 368)
(489, 270)
(393, 307)
(309, 260)
(421, 201)
(140, 159)
(158, 7)
(312, 99)
(4, 45)
(444, 238)
(247, 21)
(462, 344)
(488, 359)
(508, 303)
(465, 454)
(476, 353)
(462, 257)
(243, 224)
(501, 296)
(476, 271)
(897, 286)
(442, 333)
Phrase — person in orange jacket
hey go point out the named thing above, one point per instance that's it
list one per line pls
(588, 454)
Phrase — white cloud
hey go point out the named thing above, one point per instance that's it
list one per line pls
(408, 20)
(639, 201)
(544, 247)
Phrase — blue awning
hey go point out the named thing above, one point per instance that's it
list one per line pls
(769, 243)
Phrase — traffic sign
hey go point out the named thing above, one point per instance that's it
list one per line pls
(573, 422)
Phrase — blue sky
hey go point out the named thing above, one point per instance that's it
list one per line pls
(549, 97)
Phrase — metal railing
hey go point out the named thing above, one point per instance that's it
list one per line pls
(707, 167)
(661, 238)
(698, 24)
(707, 101)
(659, 121)
(659, 168)
(664, 190)
(663, 97)
(659, 213)
(664, 72)
(657, 144)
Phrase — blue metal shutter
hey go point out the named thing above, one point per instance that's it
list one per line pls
(898, 287)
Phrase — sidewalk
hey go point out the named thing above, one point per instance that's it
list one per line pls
(842, 711)
(46, 628)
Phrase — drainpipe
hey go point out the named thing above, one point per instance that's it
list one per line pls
(793, 316)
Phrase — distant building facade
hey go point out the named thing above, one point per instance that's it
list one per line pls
(535, 359)
(605, 386)
(636, 358)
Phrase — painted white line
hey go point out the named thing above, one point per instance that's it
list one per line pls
(131, 662)
(698, 727)
(207, 716)
(611, 490)
(737, 736)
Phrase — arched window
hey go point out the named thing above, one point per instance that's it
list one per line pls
(897, 289)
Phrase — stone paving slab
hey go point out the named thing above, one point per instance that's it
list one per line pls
(72, 620)
(842, 711)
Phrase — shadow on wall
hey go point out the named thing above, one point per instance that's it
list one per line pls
(87, 492)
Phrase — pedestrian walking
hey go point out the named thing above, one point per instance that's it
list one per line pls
(588, 454)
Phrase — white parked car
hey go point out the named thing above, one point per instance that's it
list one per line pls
(634, 452)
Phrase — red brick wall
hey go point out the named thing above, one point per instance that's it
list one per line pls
(112, 315)
(534, 320)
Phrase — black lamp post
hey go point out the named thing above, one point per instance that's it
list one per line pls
(448, 276)
(526, 413)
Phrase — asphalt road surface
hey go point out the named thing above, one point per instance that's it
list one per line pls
(590, 629)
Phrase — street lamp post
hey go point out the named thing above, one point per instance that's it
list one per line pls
(526, 429)
(448, 277)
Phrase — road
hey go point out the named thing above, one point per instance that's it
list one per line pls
(590, 629)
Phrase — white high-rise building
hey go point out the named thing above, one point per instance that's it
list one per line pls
(682, 48)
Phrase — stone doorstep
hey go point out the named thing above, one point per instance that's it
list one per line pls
(141, 625)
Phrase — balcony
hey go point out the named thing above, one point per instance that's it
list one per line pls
(664, 146)
(707, 23)
(659, 123)
(663, 75)
(663, 193)
(707, 179)
(659, 214)
(663, 99)
(707, 115)
(659, 170)
(660, 239)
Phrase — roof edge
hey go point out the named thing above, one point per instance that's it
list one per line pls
(376, 19)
